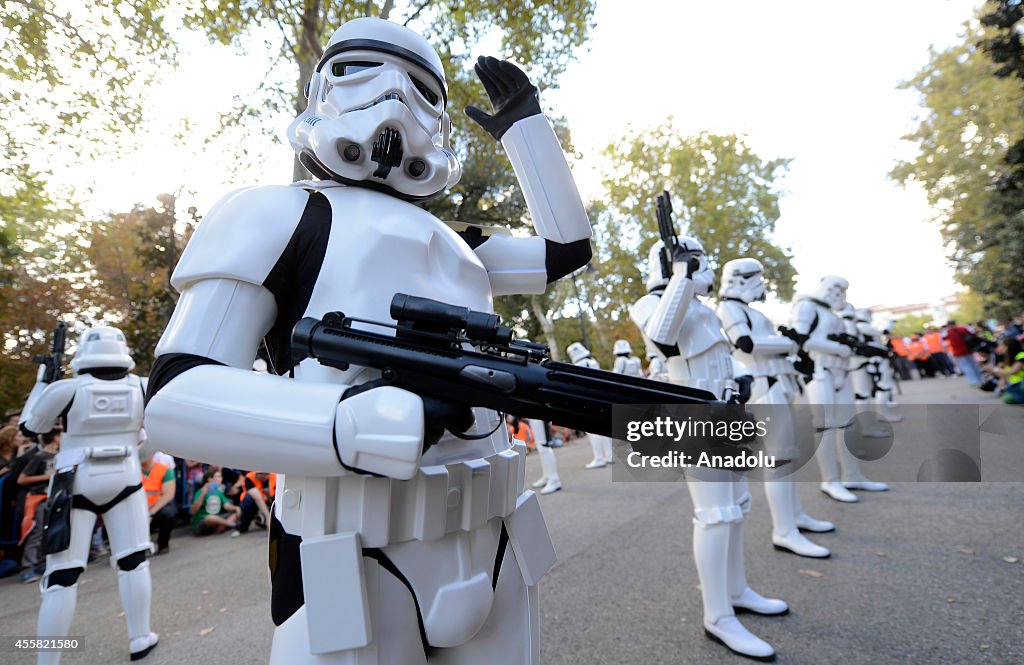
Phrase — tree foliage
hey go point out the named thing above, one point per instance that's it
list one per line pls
(133, 255)
(723, 194)
(968, 161)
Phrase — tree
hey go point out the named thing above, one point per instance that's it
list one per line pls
(912, 323)
(540, 34)
(973, 118)
(134, 255)
(723, 194)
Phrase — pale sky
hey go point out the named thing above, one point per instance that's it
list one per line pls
(812, 81)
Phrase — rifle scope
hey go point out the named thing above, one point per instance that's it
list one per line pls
(479, 326)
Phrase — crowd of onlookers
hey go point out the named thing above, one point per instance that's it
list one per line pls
(208, 499)
(989, 357)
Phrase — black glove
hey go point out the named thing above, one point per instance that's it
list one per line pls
(440, 415)
(744, 385)
(511, 93)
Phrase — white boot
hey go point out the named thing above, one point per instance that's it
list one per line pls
(729, 631)
(55, 614)
(711, 554)
(838, 492)
(804, 521)
(136, 589)
(785, 534)
(552, 483)
(606, 446)
(598, 450)
(547, 458)
(853, 479)
(741, 596)
(828, 464)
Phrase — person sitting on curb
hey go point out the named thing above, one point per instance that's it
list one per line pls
(211, 511)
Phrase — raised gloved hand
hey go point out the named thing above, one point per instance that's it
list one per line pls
(512, 96)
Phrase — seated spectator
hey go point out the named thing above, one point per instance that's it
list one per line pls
(159, 482)
(520, 430)
(258, 489)
(35, 479)
(211, 511)
(1010, 370)
(8, 447)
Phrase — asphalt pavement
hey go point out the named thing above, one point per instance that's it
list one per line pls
(925, 573)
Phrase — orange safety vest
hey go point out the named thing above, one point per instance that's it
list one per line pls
(153, 482)
(899, 347)
(918, 351)
(259, 485)
(933, 341)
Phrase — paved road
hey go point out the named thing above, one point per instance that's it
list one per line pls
(917, 576)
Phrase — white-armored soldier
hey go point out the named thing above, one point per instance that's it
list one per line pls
(385, 549)
(815, 318)
(601, 445)
(625, 362)
(764, 352)
(690, 335)
(97, 472)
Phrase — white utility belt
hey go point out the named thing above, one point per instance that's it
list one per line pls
(76, 456)
(441, 499)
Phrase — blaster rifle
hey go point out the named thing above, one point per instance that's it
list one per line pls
(429, 353)
(667, 231)
(858, 347)
(804, 363)
(54, 361)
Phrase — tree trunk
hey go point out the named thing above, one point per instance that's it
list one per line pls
(546, 325)
(309, 48)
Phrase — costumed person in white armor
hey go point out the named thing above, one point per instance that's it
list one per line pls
(601, 445)
(690, 335)
(862, 376)
(765, 353)
(97, 472)
(550, 481)
(817, 322)
(657, 368)
(393, 541)
(625, 362)
(880, 368)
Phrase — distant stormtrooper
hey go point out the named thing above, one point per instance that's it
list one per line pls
(877, 368)
(764, 352)
(815, 317)
(393, 541)
(601, 445)
(97, 472)
(657, 367)
(550, 482)
(690, 335)
(625, 362)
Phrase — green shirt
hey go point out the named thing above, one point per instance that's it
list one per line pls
(213, 504)
(1019, 376)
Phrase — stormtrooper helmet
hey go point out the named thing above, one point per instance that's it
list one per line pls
(376, 113)
(864, 315)
(101, 347)
(622, 348)
(848, 312)
(577, 352)
(686, 249)
(652, 354)
(741, 280)
(832, 291)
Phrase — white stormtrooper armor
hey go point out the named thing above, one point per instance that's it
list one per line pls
(764, 352)
(550, 481)
(878, 369)
(625, 362)
(690, 335)
(601, 445)
(382, 553)
(102, 412)
(815, 317)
